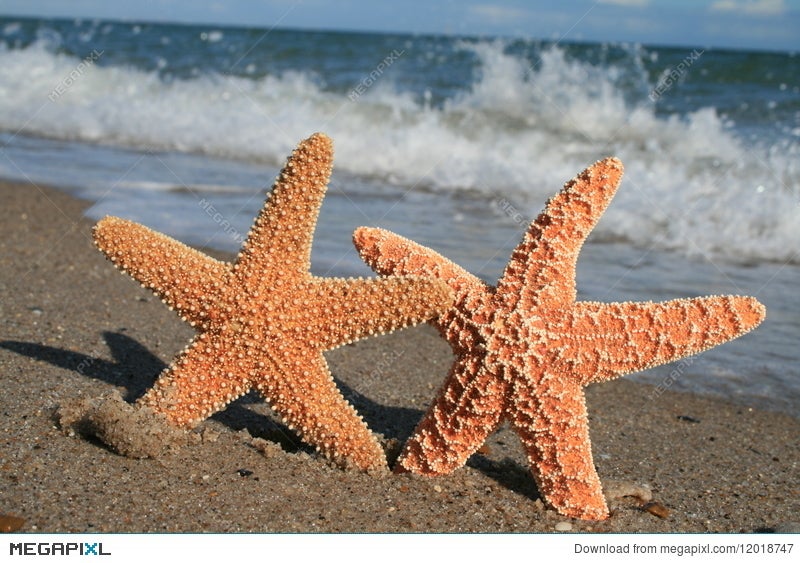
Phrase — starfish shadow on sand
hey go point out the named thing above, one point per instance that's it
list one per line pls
(134, 368)
(507, 473)
(398, 423)
(130, 368)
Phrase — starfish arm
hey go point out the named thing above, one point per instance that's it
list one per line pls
(542, 267)
(390, 254)
(355, 308)
(199, 383)
(607, 340)
(553, 426)
(300, 388)
(184, 278)
(467, 409)
(281, 236)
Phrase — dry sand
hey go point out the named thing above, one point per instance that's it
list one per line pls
(74, 327)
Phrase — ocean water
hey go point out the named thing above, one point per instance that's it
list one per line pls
(456, 142)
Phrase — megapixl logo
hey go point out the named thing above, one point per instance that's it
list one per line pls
(57, 548)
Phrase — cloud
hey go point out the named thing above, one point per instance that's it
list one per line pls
(627, 3)
(498, 14)
(750, 7)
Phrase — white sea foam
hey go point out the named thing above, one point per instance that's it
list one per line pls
(691, 183)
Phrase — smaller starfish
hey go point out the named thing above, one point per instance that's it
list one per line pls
(525, 349)
(264, 321)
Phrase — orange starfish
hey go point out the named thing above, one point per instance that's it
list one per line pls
(525, 349)
(264, 321)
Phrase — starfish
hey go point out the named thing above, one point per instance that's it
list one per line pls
(264, 321)
(525, 349)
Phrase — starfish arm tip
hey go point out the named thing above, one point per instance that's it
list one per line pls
(366, 241)
(318, 144)
(286, 223)
(750, 310)
(444, 297)
(101, 229)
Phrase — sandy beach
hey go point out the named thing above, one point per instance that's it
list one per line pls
(74, 327)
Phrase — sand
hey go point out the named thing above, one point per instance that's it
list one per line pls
(74, 328)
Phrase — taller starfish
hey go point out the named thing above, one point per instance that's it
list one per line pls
(525, 349)
(264, 321)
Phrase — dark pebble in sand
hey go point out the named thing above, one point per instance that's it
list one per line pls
(244, 472)
(691, 419)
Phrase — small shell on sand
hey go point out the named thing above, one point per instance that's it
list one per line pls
(657, 509)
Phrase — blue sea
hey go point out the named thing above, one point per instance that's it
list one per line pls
(456, 142)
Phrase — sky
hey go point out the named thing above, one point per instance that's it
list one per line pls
(751, 24)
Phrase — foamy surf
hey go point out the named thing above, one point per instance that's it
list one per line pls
(517, 129)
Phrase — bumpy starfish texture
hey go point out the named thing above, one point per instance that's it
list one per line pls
(525, 349)
(264, 321)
